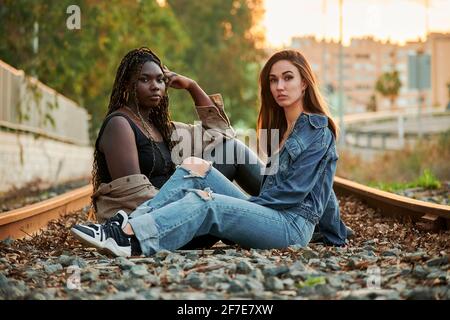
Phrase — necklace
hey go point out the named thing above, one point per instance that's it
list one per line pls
(144, 123)
(147, 128)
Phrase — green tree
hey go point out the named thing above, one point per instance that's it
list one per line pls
(388, 85)
(81, 64)
(223, 55)
(216, 43)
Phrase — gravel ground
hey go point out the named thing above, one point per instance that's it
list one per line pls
(387, 259)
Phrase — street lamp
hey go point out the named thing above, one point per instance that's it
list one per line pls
(35, 46)
(341, 79)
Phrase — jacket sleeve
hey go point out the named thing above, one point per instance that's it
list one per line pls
(213, 119)
(331, 226)
(299, 182)
(125, 193)
(213, 127)
(214, 116)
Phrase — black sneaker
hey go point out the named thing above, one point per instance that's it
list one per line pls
(106, 237)
(350, 232)
(317, 237)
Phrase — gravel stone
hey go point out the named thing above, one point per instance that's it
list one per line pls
(139, 270)
(124, 263)
(275, 271)
(52, 268)
(274, 284)
(244, 267)
(437, 261)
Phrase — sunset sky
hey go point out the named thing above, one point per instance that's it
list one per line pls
(398, 20)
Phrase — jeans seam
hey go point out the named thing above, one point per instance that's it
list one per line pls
(171, 193)
(300, 233)
(168, 229)
(168, 195)
(283, 219)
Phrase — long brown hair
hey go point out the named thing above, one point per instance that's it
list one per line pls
(124, 93)
(271, 116)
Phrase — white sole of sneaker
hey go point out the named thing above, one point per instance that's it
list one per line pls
(109, 245)
(112, 247)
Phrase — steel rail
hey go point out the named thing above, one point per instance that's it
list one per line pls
(391, 204)
(26, 221)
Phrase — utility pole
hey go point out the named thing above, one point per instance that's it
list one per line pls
(427, 95)
(324, 48)
(35, 45)
(341, 78)
(422, 93)
(427, 21)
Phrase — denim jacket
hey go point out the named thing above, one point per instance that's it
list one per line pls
(304, 179)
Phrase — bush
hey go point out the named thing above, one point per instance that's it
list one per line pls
(423, 165)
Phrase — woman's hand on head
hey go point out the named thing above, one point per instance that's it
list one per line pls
(177, 81)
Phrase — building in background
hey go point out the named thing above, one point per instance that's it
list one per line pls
(439, 46)
(366, 59)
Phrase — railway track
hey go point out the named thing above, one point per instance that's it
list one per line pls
(434, 216)
(26, 221)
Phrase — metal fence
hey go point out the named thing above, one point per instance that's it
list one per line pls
(28, 105)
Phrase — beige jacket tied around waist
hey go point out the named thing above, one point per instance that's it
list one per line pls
(127, 193)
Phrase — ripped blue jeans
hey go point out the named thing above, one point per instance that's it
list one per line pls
(190, 205)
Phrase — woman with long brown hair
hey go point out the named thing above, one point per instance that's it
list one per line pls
(295, 193)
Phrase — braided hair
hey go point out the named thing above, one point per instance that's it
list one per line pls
(124, 92)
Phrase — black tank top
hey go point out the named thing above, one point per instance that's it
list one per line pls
(163, 164)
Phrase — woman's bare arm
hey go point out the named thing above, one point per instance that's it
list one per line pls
(118, 143)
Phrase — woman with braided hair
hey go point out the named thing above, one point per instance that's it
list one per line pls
(132, 158)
